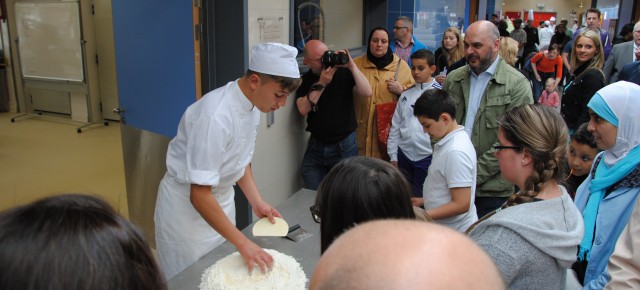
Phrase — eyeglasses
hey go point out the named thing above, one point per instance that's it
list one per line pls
(315, 213)
(500, 147)
(399, 27)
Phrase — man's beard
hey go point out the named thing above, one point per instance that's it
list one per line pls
(484, 64)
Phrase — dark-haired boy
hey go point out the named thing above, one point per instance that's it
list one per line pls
(408, 146)
(449, 189)
(581, 152)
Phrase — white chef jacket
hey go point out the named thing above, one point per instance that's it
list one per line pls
(406, 131)
(214, 144)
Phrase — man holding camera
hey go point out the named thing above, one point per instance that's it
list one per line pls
(326, 98)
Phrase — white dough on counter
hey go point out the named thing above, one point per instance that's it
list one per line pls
(263, 227)
(231, 273)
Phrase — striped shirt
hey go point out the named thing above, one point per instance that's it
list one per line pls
(404, 52)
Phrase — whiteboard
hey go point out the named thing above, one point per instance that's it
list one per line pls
(50, 40)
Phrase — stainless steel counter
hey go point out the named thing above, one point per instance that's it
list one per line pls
(295, 210)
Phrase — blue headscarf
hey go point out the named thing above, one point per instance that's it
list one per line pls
(618, 104)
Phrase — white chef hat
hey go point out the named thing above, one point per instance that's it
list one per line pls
(274, 59)
(552, 18)
(547, 23)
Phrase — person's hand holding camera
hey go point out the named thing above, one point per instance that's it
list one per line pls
(327, 75)
(349, 61)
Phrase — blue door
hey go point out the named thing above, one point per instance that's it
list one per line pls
(154, 62)
(154, 48)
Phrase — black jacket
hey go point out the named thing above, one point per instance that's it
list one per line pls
(578, 93)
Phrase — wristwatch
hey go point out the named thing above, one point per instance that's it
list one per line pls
(314, 87)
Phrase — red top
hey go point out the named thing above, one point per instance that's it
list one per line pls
(543, 64)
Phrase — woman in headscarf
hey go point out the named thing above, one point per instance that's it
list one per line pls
(389, 76)
(607, 196)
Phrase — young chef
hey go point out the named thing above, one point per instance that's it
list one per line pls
(212, 151)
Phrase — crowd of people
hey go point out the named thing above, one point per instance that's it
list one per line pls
(509, 131)
(497, 142)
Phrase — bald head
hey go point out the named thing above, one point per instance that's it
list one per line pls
(484, 28)
(481, 45)
(313, 51)
(395, 254)
(314, 46)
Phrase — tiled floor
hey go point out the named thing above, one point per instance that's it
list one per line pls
(45, 156)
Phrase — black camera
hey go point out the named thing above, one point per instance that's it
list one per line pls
(331, 58)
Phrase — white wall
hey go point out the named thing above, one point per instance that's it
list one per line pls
(343, 23)
(279, 147)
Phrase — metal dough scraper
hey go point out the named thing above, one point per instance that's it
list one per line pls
(297, 234)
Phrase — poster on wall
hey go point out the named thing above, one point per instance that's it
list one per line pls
(271, 29)
(268, 25)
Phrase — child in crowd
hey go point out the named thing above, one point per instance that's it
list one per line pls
(580, 154)
(408, 146)
(549, 96)
(449, 189)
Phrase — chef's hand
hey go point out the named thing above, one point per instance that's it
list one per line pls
(394, 163)
(254, 256)
(263, 209)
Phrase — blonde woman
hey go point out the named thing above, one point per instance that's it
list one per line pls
(587, 59)
(509, 52)
(389, 76)
(533, 237)
(450, 51)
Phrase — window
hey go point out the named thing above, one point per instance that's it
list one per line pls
(433, 17)
(337, 23)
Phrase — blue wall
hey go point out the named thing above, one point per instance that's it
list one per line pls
(154, 62)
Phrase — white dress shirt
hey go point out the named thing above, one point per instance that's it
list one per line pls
(476, 92)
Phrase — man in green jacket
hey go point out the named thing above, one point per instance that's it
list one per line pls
(484, 90)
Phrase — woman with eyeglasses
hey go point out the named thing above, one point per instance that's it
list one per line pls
(607, 196)
(533, 237)
(360, 189)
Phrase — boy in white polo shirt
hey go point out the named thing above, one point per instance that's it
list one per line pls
(449, 189)
(408, 146)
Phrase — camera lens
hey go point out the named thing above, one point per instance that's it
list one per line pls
(342, 58)
(331, 58)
